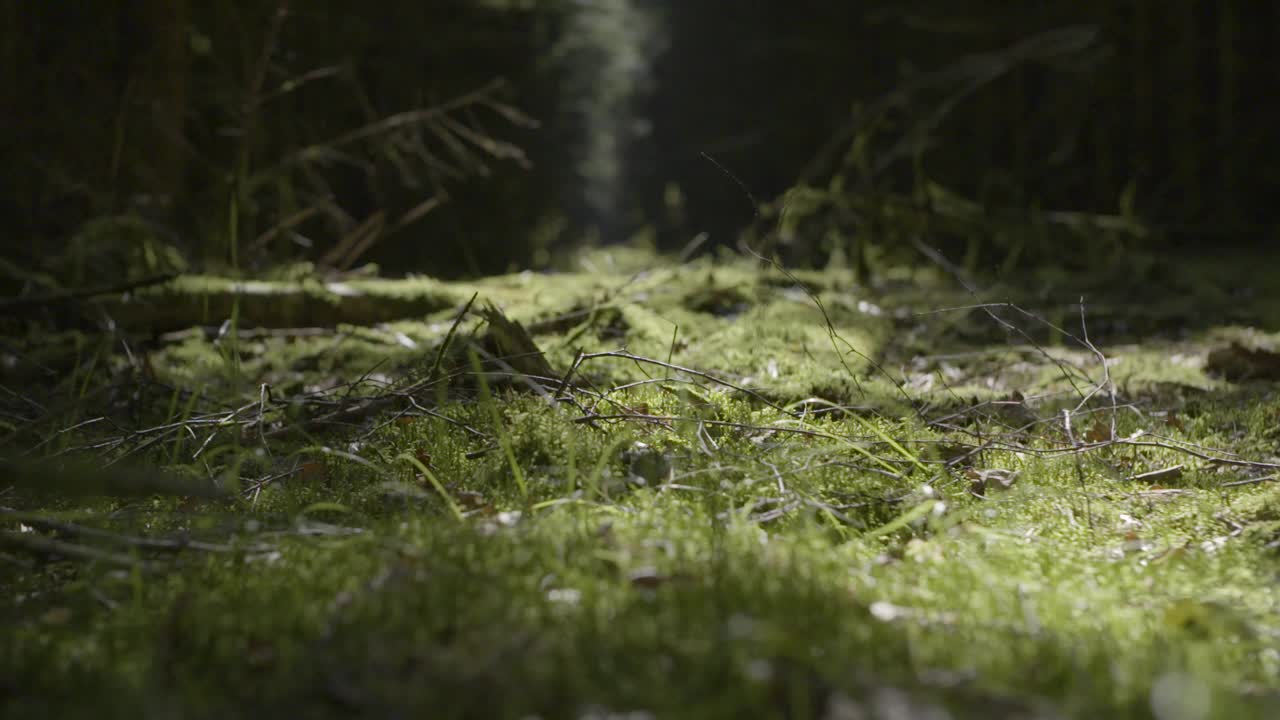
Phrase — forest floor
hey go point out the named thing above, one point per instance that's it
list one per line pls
(647, 489)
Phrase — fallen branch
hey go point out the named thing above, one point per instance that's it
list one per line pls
(39, 545)
(10, 304)
(140, 543)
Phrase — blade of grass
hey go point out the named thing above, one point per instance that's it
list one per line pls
(487, 402)
(435, 483)
(448, 339)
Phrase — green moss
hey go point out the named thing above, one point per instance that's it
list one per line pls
(678, 546)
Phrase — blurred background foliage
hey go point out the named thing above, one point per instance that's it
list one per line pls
(461, 137)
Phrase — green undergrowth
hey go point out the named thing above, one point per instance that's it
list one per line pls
(777, 496)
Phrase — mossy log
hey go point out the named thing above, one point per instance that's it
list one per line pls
(196, 300)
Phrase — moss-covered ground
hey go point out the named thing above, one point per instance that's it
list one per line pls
(742, 492)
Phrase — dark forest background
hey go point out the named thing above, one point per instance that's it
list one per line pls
(475, 136)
